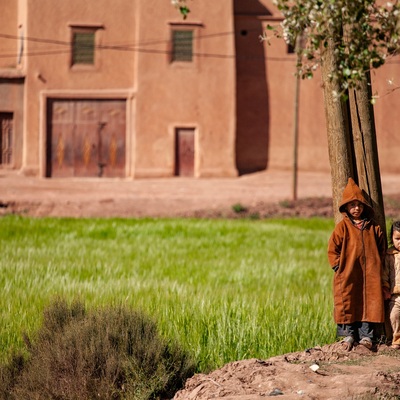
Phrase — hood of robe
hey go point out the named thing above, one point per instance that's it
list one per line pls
(352, 192)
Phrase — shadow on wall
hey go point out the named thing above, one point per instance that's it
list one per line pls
(252, 105)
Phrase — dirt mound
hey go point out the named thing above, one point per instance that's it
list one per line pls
(327, 372)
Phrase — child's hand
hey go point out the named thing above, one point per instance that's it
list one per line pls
(386, 293)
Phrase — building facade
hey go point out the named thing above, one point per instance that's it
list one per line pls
(129, 89)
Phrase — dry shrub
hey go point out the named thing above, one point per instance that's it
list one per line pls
(112, 353)
(9, 374)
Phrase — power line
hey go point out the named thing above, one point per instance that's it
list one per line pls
(152, 51)
(131, 47)
(39, 53)
(139, 49)
(151, 42)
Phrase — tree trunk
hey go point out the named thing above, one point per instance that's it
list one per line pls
(366, 149)
(339, 140)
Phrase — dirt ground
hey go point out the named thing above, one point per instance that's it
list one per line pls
(320, 373)
(259, 195)
(337, 374)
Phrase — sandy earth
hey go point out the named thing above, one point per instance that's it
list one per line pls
(359, 374)
(262, 194)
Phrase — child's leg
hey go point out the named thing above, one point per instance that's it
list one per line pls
(347, 332)
(366, 333)
(388, 324)
(366, 330)
(395, 318)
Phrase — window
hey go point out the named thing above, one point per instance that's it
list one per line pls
(182, 45)
(83, 43)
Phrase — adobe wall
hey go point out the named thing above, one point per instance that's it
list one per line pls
(198, 94)
(11, 101)
(9, 26)
(386, 86)
(48, 62)
(213, 95)
(268, 133)
(312, 136)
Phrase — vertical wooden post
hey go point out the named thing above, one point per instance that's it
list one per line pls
(298, 50)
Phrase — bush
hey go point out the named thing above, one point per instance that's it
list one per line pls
(9, 374)
(112, 353)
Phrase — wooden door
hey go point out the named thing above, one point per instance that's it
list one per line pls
(60, 140)
(86, 147)
(6, 139)
(86, 138)
(184, 152)
(111, 136)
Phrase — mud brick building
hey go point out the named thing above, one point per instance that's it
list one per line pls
(127, 88)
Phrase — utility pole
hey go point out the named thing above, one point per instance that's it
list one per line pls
(298, 50)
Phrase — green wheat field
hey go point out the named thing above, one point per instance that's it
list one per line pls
(226, 290)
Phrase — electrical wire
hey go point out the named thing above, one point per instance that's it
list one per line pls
(138, 47)
(133, 48)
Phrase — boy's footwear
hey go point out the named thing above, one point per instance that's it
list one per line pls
(366, 342)
(395, 346)
(347, 343)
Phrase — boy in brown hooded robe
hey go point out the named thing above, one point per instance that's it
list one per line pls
(356, 252)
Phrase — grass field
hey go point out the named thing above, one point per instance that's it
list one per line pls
(225, 289)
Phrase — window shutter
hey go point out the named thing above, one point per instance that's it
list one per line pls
(182, 45)
(83, 48)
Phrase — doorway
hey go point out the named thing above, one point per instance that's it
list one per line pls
(184, 151)
(86, 138)
(6, 139)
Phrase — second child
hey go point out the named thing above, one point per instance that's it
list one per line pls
(391, 279)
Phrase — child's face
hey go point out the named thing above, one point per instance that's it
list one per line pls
(355, 208)
(396, 239)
